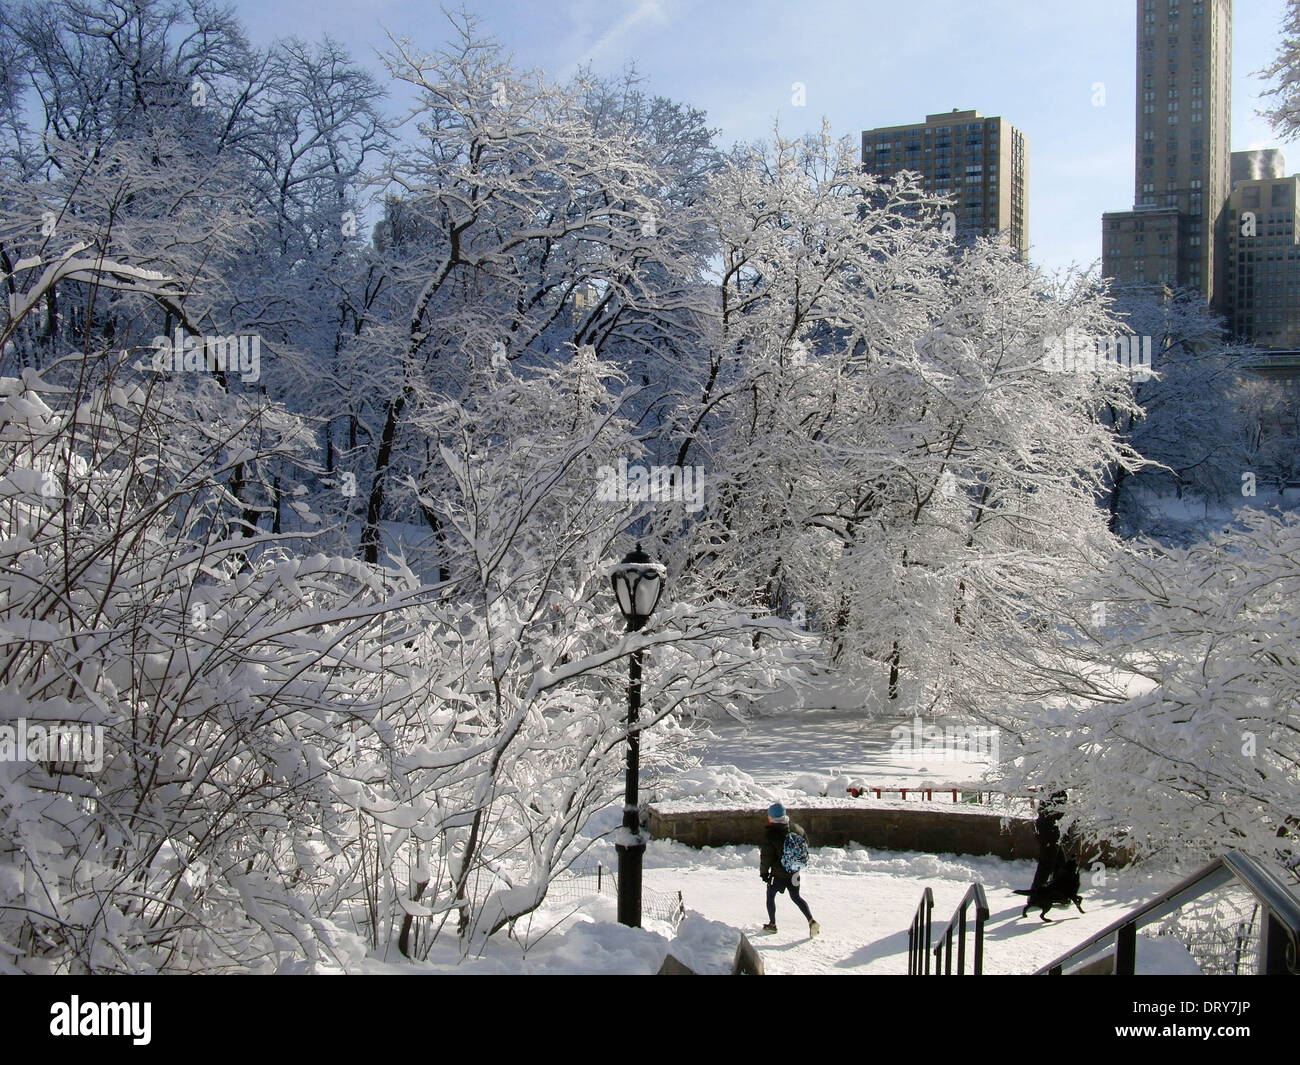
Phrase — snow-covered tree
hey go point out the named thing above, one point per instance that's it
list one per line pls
(306, 755)
(1284, 75)
(538, 663)
(527, 220)
(1270, 411)
(1189, 428)
(1172, 715)
(119, 145)
(884, 445)
(293, 740)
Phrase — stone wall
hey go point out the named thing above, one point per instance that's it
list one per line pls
(932, 829)
(936, 831)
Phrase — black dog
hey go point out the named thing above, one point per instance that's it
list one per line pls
(1061, 890)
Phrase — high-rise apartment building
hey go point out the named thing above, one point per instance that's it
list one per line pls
(1176, 233)
(1263, 253)
(979, 164)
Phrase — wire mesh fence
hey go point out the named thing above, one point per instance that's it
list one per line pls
(569, 891)
(575, 885)
(1220, 930)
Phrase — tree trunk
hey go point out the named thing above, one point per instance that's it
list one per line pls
(375, 506)
(1121, 474)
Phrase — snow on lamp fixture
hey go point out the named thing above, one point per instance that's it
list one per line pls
(638, 582)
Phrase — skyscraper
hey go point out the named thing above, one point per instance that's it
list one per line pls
(1263, 251)
(980, 164)
(1176, 233)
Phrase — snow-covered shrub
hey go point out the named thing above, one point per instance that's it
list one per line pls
(716, 782)
(298, 747)
(136, 601)
(542, 673)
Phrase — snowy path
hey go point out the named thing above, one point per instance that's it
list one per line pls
(865, 901)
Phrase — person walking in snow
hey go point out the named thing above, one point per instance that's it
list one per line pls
(774, 858)
(1048, 833)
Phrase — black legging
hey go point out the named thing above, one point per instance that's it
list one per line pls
(773, 886)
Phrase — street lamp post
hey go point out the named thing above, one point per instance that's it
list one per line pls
(638, 582)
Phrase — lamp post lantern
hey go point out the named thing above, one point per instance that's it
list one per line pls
(638, 582)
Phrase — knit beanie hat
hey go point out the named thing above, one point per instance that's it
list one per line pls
(777, 815)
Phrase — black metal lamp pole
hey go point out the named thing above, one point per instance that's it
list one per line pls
(638, 583)
(630, 854)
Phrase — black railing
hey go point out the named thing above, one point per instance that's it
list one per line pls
(1279, 942)
(918, 936)
(975, 894)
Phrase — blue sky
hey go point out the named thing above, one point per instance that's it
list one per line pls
(864, 64)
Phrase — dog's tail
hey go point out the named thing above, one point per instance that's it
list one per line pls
(1024, 891)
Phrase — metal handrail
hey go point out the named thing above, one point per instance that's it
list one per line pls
(919, 936)
(918, 949)
(974, 893)
(1279, 942)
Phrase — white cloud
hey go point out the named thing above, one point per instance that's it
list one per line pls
(644, 11)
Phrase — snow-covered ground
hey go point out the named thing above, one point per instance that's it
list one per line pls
(1185, 521)
(786, 753)
(864, 901)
